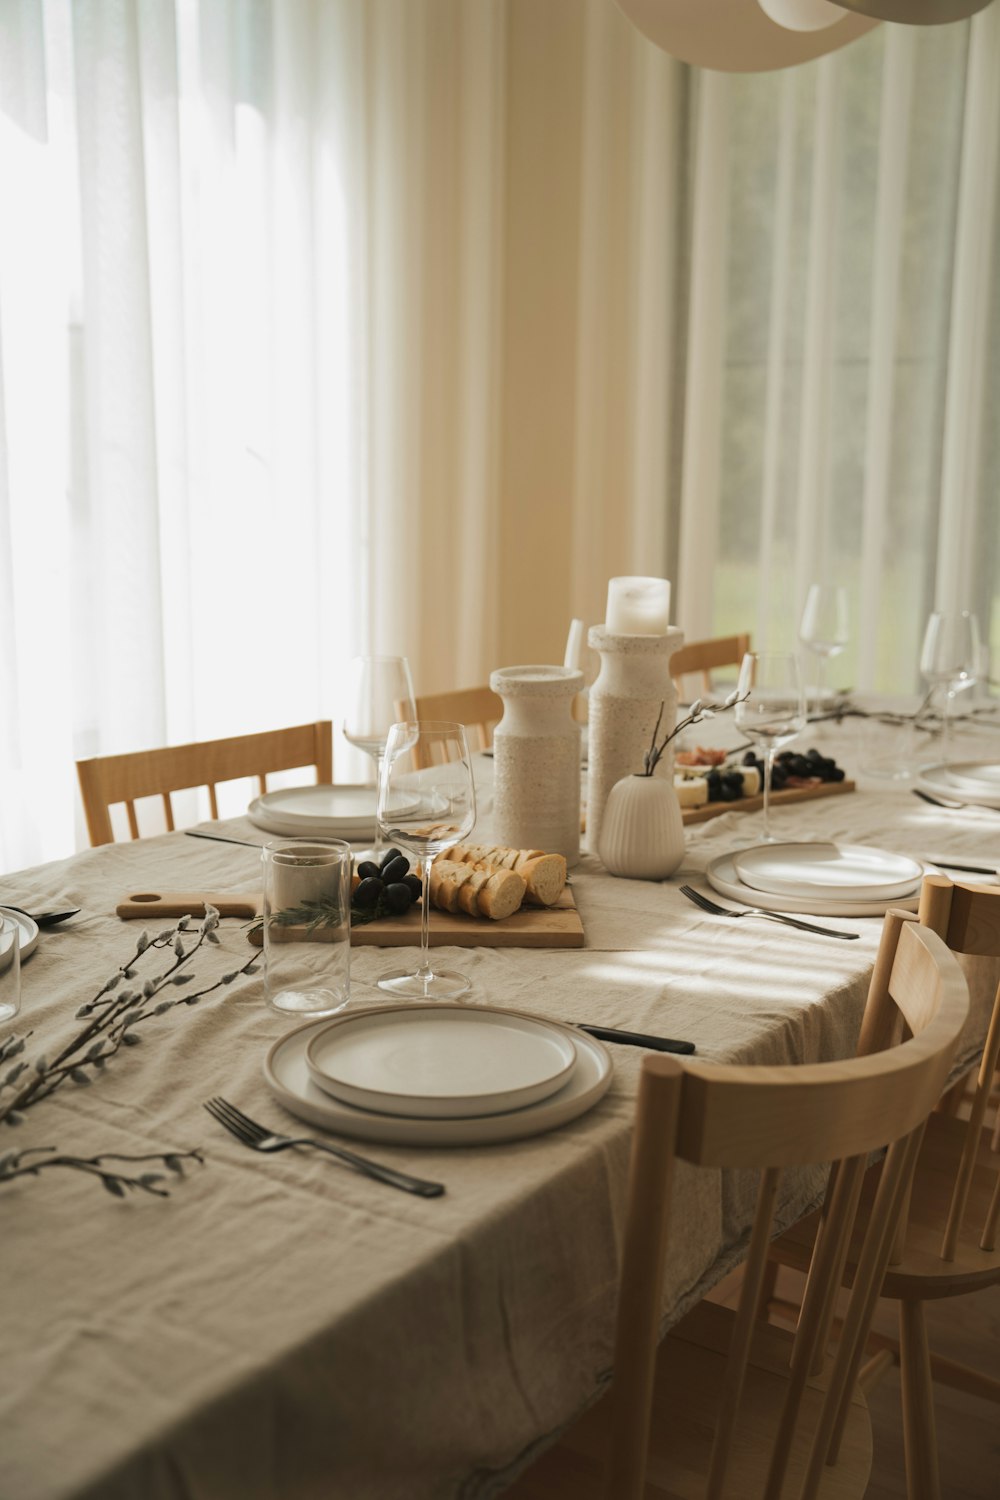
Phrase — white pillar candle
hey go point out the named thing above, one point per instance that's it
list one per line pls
(638, 606)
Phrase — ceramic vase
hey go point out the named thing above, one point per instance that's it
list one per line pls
(536, 760)
(624, 702)
(642, 833)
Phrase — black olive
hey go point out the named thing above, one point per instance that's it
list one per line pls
(368, 892)
(394, 871)
(388, 857)
(368, 867)
(397, 897)
(415, 884)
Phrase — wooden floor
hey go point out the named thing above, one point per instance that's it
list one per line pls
(966, 1329)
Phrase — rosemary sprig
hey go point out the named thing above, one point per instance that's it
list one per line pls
(324, 911)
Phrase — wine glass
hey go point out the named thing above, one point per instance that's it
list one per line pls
(949, 658)
(823, 627)
(426, 811)
(774, 710)
(380, 693)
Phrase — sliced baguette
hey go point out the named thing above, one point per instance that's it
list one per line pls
(543, 874)
(492, 893)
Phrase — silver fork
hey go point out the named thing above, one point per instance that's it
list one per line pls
(259, 1138)
(950, 804)
(758, 911)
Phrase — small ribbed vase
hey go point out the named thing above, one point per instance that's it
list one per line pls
(624, 701)
(642, 835)
(536, 760)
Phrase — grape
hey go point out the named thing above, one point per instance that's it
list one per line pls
(388, 858)
(368, 892)
(397, 897)
(393, 870)
(368, 868)
(415, 885)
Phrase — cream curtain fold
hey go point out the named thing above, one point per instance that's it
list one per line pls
(401, 325)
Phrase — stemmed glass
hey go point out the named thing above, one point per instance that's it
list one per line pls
(823, 627)
(426, 811)
(774, 711)
(949, 658)
(380, 693)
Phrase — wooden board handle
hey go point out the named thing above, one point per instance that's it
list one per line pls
(181, 904)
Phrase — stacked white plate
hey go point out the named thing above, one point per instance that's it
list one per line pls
(333, 812)
(29, 933)
(968, 781)
(438, 1075)
(819, 879)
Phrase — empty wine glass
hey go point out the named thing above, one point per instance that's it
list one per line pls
(426, 811)
(949, 658)
(380, 693)
(774, 710)
(823, 627)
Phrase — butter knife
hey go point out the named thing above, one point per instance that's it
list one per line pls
(634, 1038)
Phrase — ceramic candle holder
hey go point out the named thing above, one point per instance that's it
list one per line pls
(624, 701)
(536, 760)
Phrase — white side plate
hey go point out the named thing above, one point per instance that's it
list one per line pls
(29, 930)
(440, 1061)
(722, 877)
(288, 1076)
(838, 872)
(967, 781)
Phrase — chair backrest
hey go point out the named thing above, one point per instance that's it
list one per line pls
(109, 779)
(773, 1118)
(478, 708)
(967, 917)
(705, 657)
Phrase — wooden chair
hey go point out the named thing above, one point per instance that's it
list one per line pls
(109, 779)
(730, 1402)
(946, 1244)
(479, 709)
(706, 656)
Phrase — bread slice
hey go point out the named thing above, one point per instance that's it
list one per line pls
(544, 874)
(488, 892)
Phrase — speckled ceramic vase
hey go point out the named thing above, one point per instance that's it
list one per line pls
(536, 760)
(624, 701)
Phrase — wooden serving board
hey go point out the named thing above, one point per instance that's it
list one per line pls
(778, 799)
(557, 926)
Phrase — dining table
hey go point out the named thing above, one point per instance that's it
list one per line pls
(282, 1326)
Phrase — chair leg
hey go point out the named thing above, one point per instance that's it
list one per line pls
(919, 1435)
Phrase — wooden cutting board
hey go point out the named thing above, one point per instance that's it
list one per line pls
(778, 799)
(556, 926)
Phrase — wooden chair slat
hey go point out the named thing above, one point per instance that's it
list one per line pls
(705, 657)
(478, 708)
(168, 812)
(110, 779)
(213, 801)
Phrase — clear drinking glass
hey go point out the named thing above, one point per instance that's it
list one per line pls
(425, 812)
(307, 925)
(380, 693)
(823, 627)
(949, 658)
(773, 713)
(10, 967)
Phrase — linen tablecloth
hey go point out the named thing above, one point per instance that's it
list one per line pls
(281, 1327)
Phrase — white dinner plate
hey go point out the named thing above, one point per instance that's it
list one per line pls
(722, 876)
(287, 1074)
(346, 812)
(966, 781)
(440, 1061)
(838, 872)
(29, 930)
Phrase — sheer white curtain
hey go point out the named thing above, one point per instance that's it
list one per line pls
(852, 329)
(334, 325)
(249, 292)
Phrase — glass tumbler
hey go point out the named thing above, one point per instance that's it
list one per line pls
(307, 925)
(10, 967)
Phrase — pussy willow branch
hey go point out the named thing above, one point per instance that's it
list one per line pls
(112, 1016)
